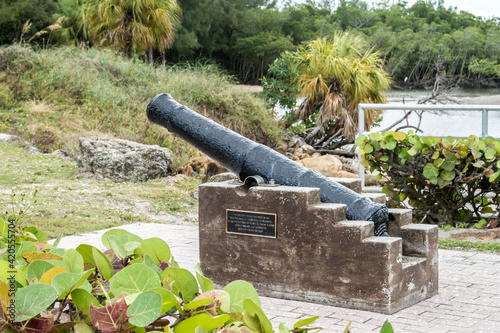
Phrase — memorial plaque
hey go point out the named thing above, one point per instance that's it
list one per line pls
(250, 223)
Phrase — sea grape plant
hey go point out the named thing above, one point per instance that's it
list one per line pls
(445, 180)
(134, 285)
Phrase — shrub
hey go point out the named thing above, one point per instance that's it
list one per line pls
(282, 87)
(444, 180)
(134, 285)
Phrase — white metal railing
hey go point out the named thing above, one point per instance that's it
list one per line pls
(361, 117)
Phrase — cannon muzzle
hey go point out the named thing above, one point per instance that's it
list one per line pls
(247, 158)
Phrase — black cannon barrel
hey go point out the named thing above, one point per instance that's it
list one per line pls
(248, 158)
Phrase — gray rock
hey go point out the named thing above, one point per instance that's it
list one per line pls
(308, 149)
(14, 139)
(62, 154)
(296, 142)
(222, 177)
(10, 138)
(122, 160)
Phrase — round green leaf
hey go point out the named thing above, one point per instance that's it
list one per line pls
(148, 261)
(204, 320)
(33, 299)
(376, 136)
(448, 165)
(121, 234)
(494, 176)
(239, 291)
(368, 148)
(37, 268)
(399, 136)
(65, 282)
(117, 246)
(87, 254)
(145, 309)
(82, 299)
(168, 300)
(255, 318)
(359, 140)
(156, 247)
(40, 235)
(205, 283)
(390, 145)
(103, 264)
(490, 154)
(74, 260)
(413, 151)
(430, 171)
(134, 279)
(198, 303)
(183, 283)
(447, 175)
(478, 164)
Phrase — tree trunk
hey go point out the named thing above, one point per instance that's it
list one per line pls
(128, 38)
(163, 59)
(150, 56)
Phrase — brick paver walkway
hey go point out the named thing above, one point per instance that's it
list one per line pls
(468, 299)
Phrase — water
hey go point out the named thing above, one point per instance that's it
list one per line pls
(444, 123)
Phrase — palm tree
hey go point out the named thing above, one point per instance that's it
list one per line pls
(74, 29)
(129, 23)
(337, 74)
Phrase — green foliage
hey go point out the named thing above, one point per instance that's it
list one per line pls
(282, 86)
(480, 224)
(99, 91)
(136, 293)
(449, 243)
(139, 23)
(15, 13)
(445, 180)
(338, 73)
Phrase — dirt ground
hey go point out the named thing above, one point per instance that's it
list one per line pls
(472, 235)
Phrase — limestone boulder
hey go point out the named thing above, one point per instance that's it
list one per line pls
(328, 165)
(123, 160)
(345, 174)
(17, 139)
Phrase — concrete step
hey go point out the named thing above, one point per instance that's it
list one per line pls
(375, 197)
(351, 183)
(412, 261)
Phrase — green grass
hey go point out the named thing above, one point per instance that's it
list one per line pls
(454, 244)
(53, 96)
(69, 203)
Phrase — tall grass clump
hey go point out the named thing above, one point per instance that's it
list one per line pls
(99, 91)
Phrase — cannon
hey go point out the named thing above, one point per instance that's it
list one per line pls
(247, 158)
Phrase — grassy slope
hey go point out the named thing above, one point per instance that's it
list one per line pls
(54, 96)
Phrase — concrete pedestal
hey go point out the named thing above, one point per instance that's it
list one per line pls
(289, 245)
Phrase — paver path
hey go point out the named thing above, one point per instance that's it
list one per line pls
(468, 299)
